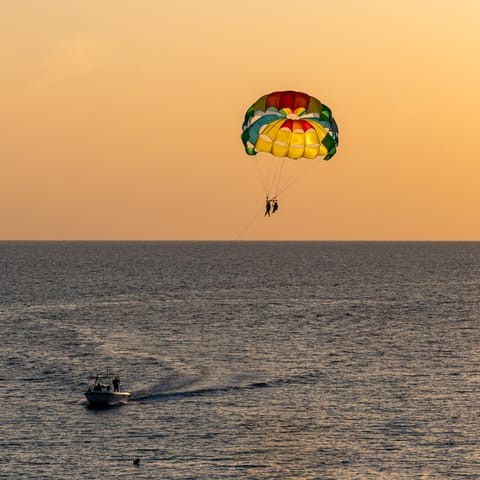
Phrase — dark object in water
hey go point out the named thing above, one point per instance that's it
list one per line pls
(136, 461)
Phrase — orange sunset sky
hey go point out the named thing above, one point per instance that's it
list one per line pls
(121, 119)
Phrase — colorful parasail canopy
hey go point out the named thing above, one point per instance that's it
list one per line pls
(290, 124)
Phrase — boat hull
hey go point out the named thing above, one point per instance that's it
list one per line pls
(107, 398)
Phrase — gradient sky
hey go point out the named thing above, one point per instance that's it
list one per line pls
(120, 119)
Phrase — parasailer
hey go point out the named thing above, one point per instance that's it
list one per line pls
(274, 205)
(268, 206)
(287, 125)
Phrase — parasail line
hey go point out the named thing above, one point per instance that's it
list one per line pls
(248, 225)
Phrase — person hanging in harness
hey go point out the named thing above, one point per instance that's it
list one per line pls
(274, 205)
(268, 206)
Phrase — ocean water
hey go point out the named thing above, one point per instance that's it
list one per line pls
(245, 360)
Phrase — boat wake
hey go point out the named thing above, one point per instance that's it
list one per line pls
(151, 397)
(171, 385)
(178, 385)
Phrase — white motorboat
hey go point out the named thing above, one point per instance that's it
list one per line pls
(100, 394)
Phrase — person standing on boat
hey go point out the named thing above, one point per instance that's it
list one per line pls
(116, 384)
